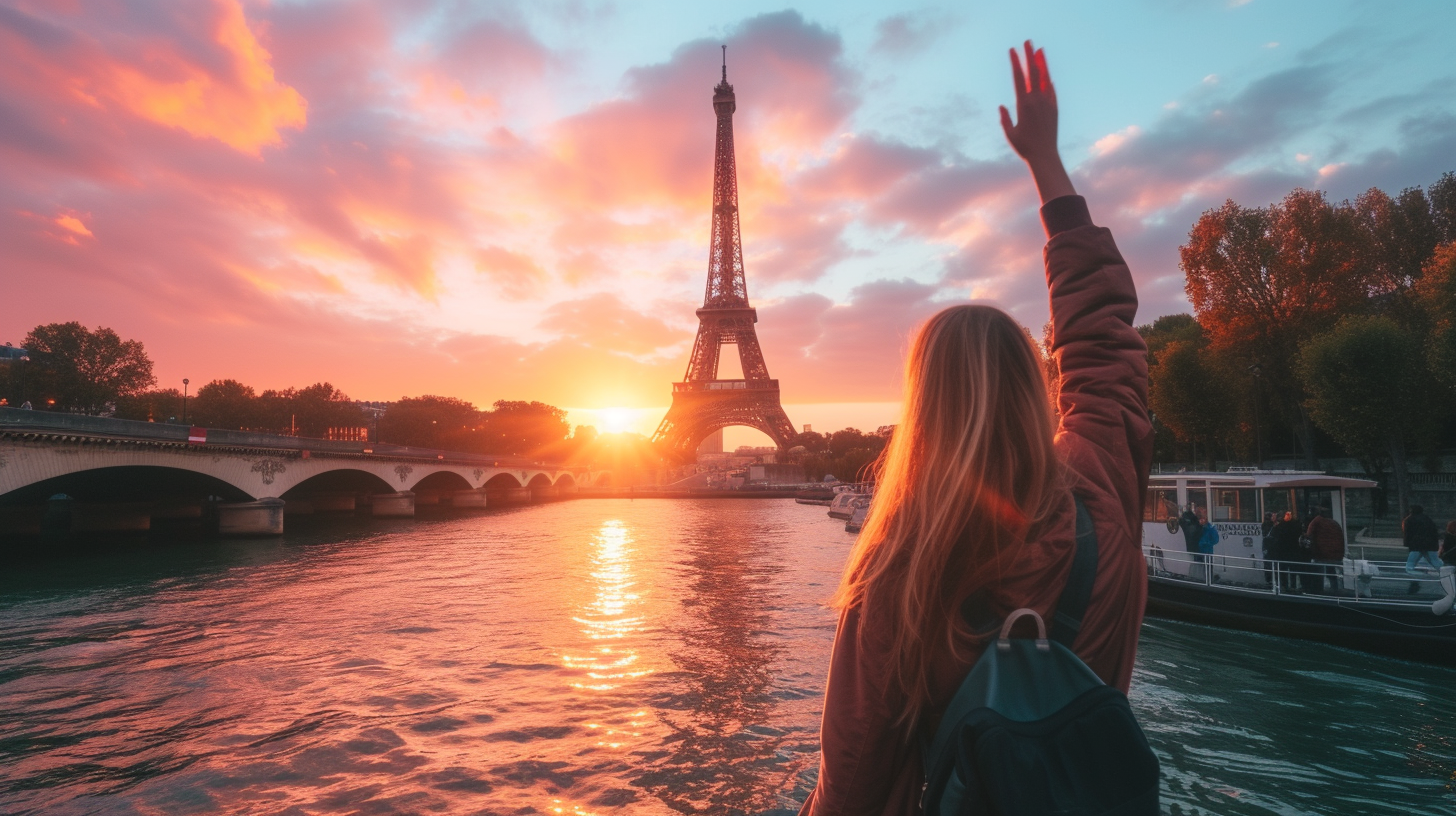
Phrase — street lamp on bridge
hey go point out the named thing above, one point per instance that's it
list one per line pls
(184, 400)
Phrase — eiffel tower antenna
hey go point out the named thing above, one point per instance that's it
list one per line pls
(702, 403)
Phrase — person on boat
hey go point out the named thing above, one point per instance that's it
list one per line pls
(1192, 529)
(1448, 572)
(974, 516)
(1266, 548)
(1327, 548)
(1420, 536)
(1287, 551)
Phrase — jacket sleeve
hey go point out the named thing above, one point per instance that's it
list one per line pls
(1105, 431)
(860, 749)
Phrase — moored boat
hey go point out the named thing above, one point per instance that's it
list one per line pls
(1376, 606)
(844, 504)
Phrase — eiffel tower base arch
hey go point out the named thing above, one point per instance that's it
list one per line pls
(699, 412)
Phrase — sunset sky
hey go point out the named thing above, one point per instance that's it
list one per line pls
(510, 200)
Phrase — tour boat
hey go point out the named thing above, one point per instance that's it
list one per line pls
(1378, 607)
(844, 503)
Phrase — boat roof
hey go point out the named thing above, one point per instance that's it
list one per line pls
(1255, 477)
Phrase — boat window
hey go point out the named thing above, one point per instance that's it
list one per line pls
(1235, 504)
(1161, 504)
(1198, 497)
(1303, 501)
(1197, 482)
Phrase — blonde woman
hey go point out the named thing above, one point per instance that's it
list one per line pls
(974, 515)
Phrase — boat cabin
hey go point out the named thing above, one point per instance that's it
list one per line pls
(1236, 501)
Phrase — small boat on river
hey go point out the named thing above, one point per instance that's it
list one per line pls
(1378, 607)
(843, 505)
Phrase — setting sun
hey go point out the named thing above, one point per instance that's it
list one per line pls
(616, 420)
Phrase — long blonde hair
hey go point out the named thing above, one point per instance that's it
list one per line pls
(970, 469)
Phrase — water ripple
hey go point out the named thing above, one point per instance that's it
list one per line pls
(591, 657)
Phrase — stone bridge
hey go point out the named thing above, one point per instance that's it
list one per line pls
(118, 471)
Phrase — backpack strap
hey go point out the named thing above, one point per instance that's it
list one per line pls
(1072, 605)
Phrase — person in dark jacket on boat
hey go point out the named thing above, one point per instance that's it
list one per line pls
(1192, 528)
(1287, 551)
(1266, 547)
(1327, 548)
(1420, 535)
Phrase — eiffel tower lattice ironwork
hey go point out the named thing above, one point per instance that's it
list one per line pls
(702, 403)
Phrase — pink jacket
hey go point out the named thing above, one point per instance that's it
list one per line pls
(1105, 441)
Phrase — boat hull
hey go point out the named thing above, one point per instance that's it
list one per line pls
(1408, 631)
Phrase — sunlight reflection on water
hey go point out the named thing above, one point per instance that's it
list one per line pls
(589, 657)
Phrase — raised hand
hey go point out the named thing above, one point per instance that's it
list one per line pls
(1034, 134)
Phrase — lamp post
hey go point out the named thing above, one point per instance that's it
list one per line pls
(184, 400)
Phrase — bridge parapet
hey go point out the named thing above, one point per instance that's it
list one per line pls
(38, 447)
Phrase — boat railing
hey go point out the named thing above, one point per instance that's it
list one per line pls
(1359, 580)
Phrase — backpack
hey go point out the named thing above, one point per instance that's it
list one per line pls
(1032, 730)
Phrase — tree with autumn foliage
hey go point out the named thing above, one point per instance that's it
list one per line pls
(1436, 295)
(1262, 280)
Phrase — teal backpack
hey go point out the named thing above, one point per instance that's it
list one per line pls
(1034, 731)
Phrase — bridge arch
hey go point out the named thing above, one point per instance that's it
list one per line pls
(339, 480)
(127, 483)
(442, 481)
(502, 481)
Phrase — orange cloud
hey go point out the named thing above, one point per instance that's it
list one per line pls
(244, 111)
(73, 224)
(517, 275)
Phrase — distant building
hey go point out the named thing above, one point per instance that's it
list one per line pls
(9, 352)
(772, 474)
(808, 429)
(713, 444)
(763, 455)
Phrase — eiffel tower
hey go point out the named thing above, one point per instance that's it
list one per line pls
(702, 403)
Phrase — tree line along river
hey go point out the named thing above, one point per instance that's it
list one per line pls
(588, 657)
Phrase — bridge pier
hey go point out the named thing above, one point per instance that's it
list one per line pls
(263, 517)
(393, 505)
(298, 507)
(540, 494)
(475, 499)
(511, 495)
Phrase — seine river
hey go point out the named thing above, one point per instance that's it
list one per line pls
(585, 657)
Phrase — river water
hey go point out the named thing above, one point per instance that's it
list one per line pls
(584, 657)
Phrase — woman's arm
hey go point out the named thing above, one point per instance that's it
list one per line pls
(1105, 434)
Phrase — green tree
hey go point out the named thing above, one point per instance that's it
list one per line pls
(523, 428)
(225, 404)
(1369, 388)
(432, 422)
(1398, 234)
(86, 369)
(1192, 397)
(309, 411)
(162, 405)
(1442, 195)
